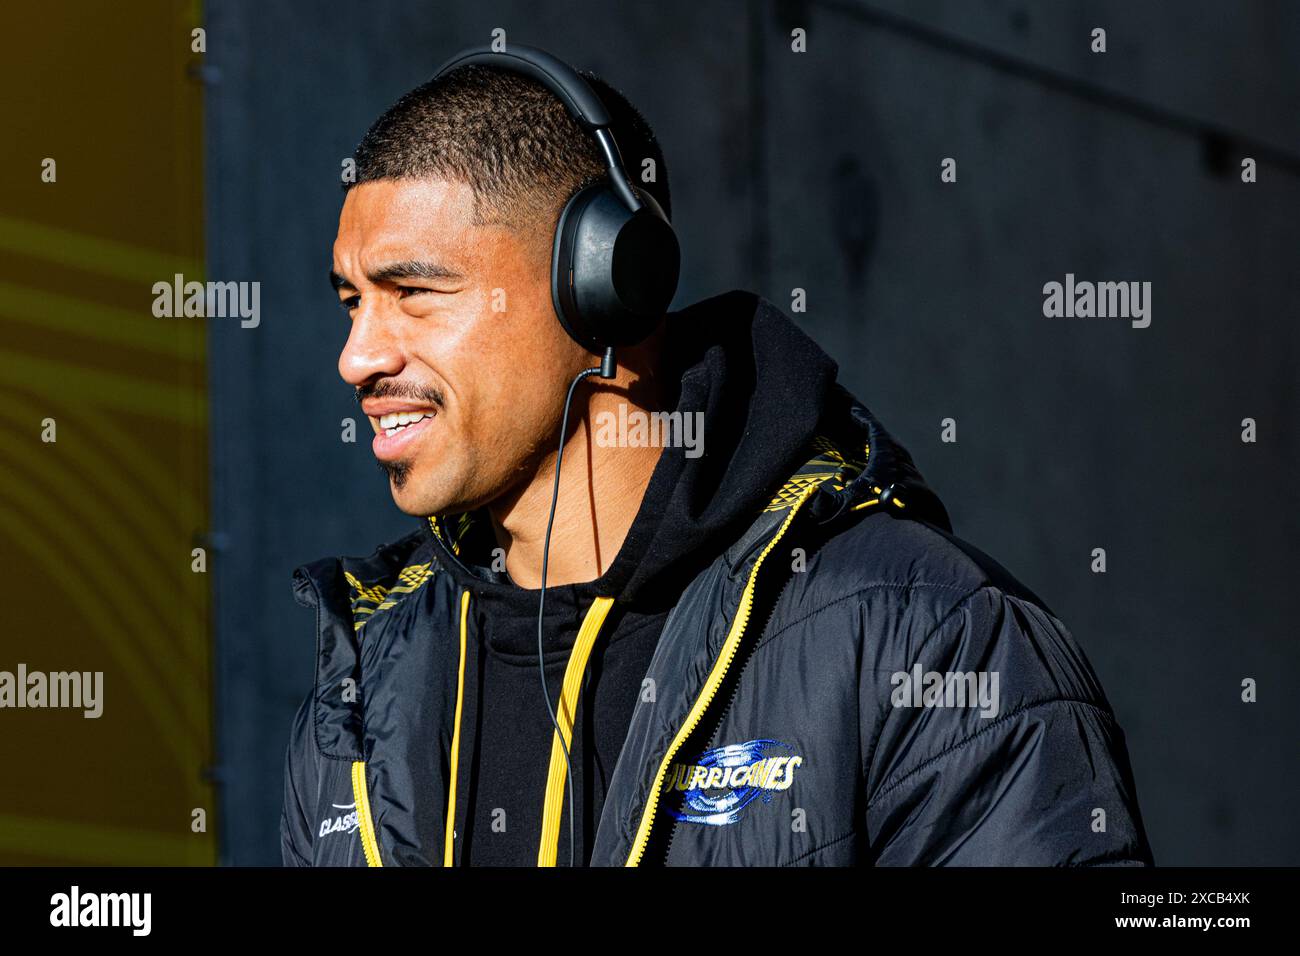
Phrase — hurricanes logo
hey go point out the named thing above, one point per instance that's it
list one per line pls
(722, 782)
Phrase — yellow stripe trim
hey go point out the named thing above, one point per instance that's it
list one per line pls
(84, 317)
(448, 845)
(368, 841)
(95, 844)
(553, 808)
(93, 254)
(159, 401)
(711, 684)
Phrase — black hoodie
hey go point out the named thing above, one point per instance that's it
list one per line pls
(761, 387)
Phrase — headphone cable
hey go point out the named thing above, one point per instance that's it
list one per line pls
(606, 369)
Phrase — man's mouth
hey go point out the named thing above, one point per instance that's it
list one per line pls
(398, 432)
(397, 421)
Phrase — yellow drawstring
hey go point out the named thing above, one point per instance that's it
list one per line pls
(556, 776)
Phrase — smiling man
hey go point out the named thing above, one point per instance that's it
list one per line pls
(765, 648)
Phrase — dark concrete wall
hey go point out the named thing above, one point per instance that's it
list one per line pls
(821, 171)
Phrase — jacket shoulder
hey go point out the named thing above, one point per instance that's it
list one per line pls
(912, 594)
(986, 737)
(888, 553)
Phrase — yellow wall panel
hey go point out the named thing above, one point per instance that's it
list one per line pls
(97, 527)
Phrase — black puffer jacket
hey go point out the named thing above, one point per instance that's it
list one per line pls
(844, 683)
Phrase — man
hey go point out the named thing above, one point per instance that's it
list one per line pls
(761, 644)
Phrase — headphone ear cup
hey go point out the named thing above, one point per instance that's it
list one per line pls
(613, 272)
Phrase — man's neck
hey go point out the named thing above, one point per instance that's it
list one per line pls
(600, 492)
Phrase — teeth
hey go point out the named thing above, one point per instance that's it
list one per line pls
(391, 423)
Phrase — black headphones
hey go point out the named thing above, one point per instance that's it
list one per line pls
(615, 259)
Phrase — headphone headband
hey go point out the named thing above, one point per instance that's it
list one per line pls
(552, 72)
(569, 88)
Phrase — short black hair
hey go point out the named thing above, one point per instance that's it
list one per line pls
(510, 139)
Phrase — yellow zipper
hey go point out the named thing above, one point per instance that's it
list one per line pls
(711, 684)
(367, 826)
(548, 848)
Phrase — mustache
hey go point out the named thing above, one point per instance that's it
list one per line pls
(393, 388)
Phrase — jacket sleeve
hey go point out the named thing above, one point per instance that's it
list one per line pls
(300, 778)
(1034, 773)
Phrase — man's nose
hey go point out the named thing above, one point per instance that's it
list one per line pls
(371, 350)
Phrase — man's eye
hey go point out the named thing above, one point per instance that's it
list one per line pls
(405, 290)
(350, 303)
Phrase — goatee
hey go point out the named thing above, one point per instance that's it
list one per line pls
(398, 472)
